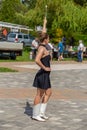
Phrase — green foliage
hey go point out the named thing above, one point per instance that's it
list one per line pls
(67, 15)
(80, 2)
(30, 3)
(9, 8)
(80, 36)
(7, 11)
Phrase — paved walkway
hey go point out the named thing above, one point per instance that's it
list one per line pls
(67, 107)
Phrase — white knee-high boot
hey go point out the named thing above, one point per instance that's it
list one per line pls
(42, 110)
(36, 113)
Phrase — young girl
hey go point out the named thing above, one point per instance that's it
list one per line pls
(42, 80)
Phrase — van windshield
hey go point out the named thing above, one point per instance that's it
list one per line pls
(12, 35)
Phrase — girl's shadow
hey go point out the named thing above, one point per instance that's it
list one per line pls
(28, 109)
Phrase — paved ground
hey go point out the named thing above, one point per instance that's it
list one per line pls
(67, 107)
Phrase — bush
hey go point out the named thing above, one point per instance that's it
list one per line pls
(79, 36)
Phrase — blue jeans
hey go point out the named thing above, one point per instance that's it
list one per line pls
(79, 55)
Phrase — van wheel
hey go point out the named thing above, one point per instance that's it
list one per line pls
(23, 44)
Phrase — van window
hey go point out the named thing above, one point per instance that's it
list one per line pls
(25, 36)
(19, 36)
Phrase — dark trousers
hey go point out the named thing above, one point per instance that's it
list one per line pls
(34, 51)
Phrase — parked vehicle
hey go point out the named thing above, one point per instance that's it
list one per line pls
(10, 50)
(26, 39)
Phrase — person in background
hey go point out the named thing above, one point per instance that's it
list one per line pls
(80, 51)
(64, 41)
(42, 78)
(35, 44)
(60, 50)
(4, 34)
(72, 41)
(50, 48)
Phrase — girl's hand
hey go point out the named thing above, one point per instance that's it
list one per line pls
(45, 20)
(47, 69)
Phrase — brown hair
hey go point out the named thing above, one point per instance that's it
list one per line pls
(43, 36)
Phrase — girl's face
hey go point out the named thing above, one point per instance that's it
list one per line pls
(47, 40)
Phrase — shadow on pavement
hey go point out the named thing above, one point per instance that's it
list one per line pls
(28, 109)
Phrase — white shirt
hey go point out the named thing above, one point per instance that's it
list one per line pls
(81, 46)
(50, 45)
(34, 44)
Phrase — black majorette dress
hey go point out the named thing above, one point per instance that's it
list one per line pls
(42, 78)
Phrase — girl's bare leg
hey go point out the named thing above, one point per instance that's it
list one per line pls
(46, 97)
(37, 105)
(38, 96)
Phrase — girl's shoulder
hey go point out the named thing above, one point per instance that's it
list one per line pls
(42, 46)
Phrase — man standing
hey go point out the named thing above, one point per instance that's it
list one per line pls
(80, 51)
(60, 50)
(64, 41)
(35, 44)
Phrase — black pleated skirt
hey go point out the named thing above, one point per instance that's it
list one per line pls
(42, 79)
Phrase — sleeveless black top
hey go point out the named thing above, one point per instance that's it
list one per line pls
(42, 78)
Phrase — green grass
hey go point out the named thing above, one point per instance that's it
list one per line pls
(25, 56)
(2, 69)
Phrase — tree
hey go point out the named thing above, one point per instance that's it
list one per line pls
(9, 8)
(29, 3)
(61, 14)
(80, 2)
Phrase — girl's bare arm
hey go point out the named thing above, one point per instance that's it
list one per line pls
(38, 59)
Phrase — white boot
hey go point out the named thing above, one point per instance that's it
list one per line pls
(42, 111)
(36, 112)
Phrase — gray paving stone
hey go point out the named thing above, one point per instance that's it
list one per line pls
(63, 114)
(75, 79)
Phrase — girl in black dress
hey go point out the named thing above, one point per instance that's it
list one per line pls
(42, 80)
